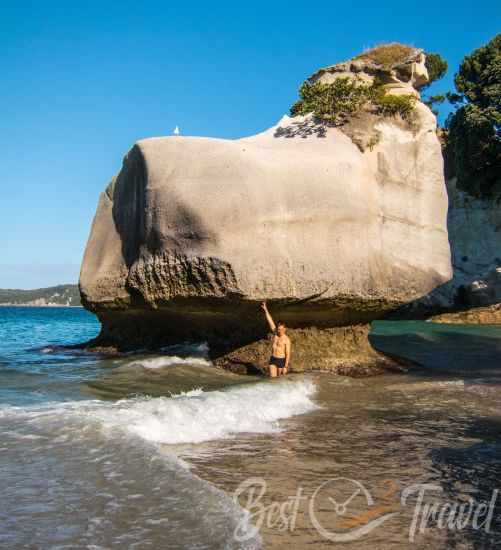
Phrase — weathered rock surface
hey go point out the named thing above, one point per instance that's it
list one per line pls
(194, 232)
(489, 315)
(474, 227)
(349, 352)
(404, 76)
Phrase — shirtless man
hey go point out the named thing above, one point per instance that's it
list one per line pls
(281, 347)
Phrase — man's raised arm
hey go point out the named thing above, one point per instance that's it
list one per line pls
(268, 317)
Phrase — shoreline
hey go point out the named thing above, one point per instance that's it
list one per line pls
(382, 363)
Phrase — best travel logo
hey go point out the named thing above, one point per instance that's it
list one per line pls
(343, 509)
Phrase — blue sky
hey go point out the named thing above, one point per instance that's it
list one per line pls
(82, 81)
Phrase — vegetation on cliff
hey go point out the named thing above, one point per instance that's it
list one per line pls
(335, 102)
(387, 55)
(472, 133)
(473, 138)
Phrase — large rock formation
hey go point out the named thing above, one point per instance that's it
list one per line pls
(193, 233)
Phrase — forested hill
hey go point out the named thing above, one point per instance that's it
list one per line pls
(60, 295)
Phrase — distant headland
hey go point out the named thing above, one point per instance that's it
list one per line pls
(54, 296)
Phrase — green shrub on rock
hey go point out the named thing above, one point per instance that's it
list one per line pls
(331, 102)
(392, 105)
(336, 101)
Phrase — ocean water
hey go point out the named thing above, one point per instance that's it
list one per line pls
(164, 451)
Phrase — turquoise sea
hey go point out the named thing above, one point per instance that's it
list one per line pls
(164, 451)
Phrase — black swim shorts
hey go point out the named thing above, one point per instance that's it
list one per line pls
(278, 361)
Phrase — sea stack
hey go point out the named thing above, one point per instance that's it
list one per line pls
(333, 222)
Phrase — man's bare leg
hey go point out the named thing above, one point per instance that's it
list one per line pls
(273, 371)
(280, 372)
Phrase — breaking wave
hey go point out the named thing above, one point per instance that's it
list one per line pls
(189, 417)
(159, 362)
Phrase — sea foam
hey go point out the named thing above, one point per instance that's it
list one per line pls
(166, 361)
(190, 417)
(198, 416)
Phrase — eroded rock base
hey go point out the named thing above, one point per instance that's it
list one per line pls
(341, 350)
(245, 347)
